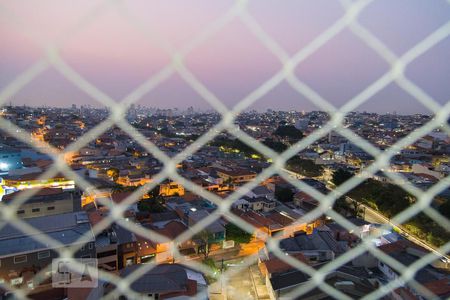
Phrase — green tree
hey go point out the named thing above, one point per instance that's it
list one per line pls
(154, 192)
(205, 238)
(275, 146)
(284, 194)
(118, 188)
(444, 209)
(154, 205)
(341, 176)
(306, 167)
(237, 234)
(288, 131)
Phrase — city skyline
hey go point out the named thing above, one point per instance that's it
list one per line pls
(204, 111)
(110, 44)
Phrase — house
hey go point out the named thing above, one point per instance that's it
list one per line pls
(22, 256)
(133, 179)
(149, 249)
(320, 246)
(255, 204)
(216, 230)
(352, 281)
(106, 242)
(433, 275)
(280, 221)
(171, 189)
(166, 281)
(236, 176)
(126, 246)
(305, 201)
(261, 191)
(45, 202)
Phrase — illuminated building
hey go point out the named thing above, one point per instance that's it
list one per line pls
(10, 159)
(171, 189)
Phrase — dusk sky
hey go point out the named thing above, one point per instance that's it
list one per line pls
(117, 58)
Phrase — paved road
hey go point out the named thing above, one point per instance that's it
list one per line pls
(246, 284)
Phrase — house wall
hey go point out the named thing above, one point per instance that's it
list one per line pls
(45, 208)
(13, 268)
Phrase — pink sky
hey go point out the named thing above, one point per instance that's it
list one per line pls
(117, 58)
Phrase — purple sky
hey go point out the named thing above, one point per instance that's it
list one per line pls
(117, 58)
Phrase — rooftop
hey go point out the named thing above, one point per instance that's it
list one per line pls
(66, 229)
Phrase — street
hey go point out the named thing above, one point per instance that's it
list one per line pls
(246, 284)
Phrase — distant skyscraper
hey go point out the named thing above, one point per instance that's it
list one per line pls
(132, 113)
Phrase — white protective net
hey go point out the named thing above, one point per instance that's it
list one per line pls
(349, 20)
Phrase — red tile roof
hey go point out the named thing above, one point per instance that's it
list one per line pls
(276, 265)
(439, 287)
(400, 246)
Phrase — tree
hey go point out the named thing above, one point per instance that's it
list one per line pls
(284, 194)
(341, 176)
(444, 209)
(205, 238)
(288, 131)
(348, 207)
(154, 192)
(237, 234)
(154, 205)
(305, 167)
(118, 188)
(275, 146)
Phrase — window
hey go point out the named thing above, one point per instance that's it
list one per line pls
(36, 210)
(20, 259)
(51, 208)
(86, 256)
(91, 246)
(43, 254)
(21, 211)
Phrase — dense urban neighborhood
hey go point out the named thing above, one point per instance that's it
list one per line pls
(172, 224)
